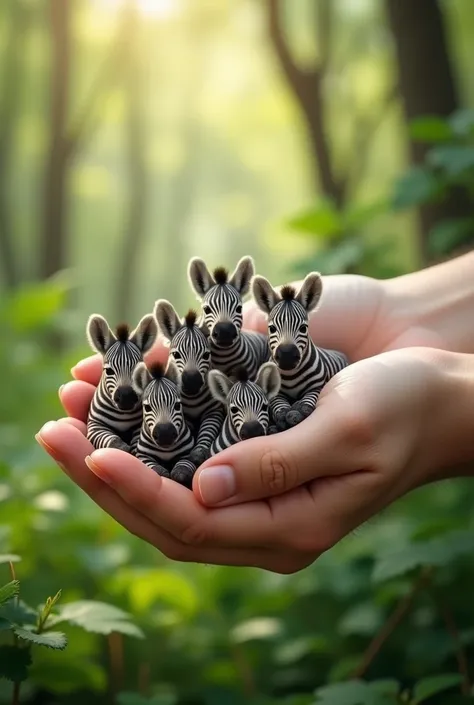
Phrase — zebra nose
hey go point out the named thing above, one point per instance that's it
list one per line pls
(165, 434)
(251, 429)
(192, 381)
(125, 398)
(224, 334)
(287, 356)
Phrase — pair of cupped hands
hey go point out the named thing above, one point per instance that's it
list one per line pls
(278, 502)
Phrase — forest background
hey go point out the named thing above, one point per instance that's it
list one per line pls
(335, 135)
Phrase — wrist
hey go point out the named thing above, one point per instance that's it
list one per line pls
(451, 440)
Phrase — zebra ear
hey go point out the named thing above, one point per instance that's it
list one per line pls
(145, 333)
(167, 318)
(268, 378)
(141, 377)
(199, 276)
(264, 294)
(172, 372)
(99, 335)
(241, 277)
(310, 291)
(219, 385)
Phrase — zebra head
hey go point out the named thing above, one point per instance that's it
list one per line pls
(247, 402)
(189, 345)
(221, 297)
(121, 352)
(288, 316)
(162, 411)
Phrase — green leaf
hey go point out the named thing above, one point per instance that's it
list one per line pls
(449, 234)
(18, 613)
(135, 699)
(9, 558)
(462, 122)
(97, 617)
(14, 663)
(5, 625)
(355, 692)
(439, 551)
(52, 640)
(323, 221)
(454, 160)
(430, 129)
(35, 305)
(427, 687)
(416, 186)
(9, 590)
(360, 215)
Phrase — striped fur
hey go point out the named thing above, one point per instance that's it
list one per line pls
(221, 297)
(165, 436)
(304, 367)
(247, 403)
(115, 413)
(189, 348)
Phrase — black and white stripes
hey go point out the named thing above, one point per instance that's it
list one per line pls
(304, 368)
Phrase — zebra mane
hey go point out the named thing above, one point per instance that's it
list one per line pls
(220, 275)
(157, 370)
(122, 332)
(190, 318)
(241, 374)
(288, 293)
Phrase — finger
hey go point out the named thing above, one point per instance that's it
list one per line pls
(68, 447)
(176, 510)
(80, 425)
(76, 398)
(90, 368)
(329, 442)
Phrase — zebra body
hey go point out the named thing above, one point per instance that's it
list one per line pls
(115, 413)
(247, 403)
(165, 439)
(221, 297)
(189, 349)
(304, 368)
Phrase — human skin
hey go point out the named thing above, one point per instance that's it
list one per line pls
(392, 421)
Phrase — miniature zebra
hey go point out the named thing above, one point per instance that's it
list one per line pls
(221, 297)
(115, 414)
(165, 439)
(247, 403)
(304, 367)
(189, 348)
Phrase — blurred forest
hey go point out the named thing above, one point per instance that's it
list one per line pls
(335, 135)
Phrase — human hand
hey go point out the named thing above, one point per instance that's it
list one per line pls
(383, 426)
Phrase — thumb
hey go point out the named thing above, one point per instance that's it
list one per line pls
(270, 465)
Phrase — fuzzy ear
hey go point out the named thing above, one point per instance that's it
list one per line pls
(310, 291)
(172, 372)
(141, 377)
(145, 333)
(199, 276)
(268, 378)
(99, 334)
(242, 275)
(219, 385)
(264, 294)
(167, 318)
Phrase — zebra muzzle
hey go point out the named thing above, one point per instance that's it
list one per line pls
(165, 434)
(251, 429)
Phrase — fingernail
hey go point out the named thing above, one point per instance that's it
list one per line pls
(97, 470)
(60, 390)
(46, 447)
(73, 370)
(216, 484)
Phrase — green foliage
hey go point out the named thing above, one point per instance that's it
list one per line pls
(9, 590)
(357, 692)
(52, 640)
(427, 687)
(14, 663)
(97, 617)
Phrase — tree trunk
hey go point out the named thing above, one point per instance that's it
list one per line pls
(427, 87)
(53, 243)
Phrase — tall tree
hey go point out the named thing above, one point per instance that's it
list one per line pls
(428, 87)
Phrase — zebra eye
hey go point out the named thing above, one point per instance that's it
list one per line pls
(207, 309)
(239, 308)
(264, 407)
(146, 407)
(206, 355)
(234, 409)
(109, 371)
(272, 329)
(177, 406)
(303, 328)
(177, 355)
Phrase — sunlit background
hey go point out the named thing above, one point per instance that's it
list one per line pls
(311, 134)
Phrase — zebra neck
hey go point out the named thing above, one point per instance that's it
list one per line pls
(224, 353)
